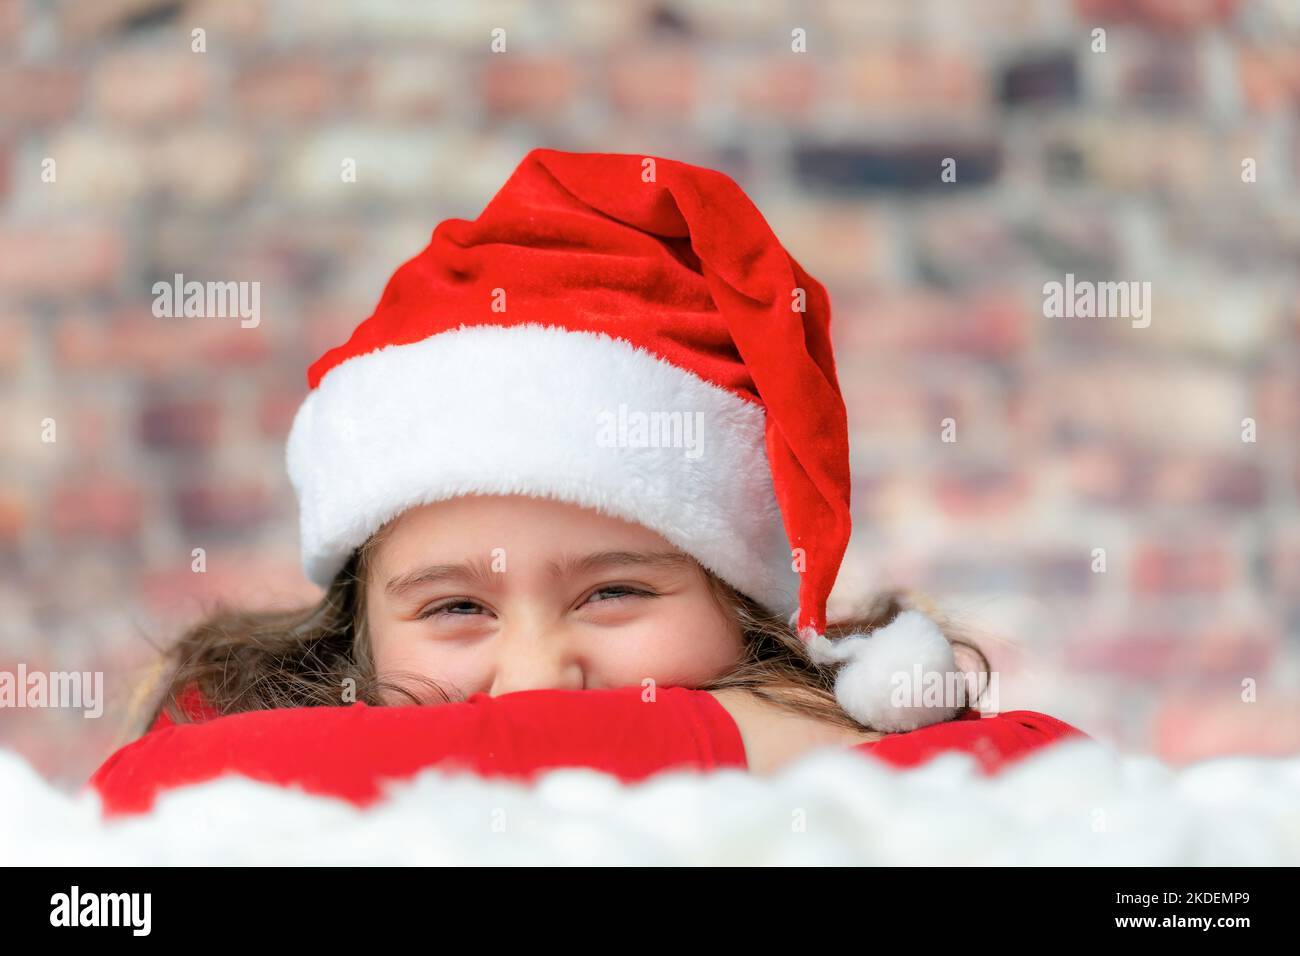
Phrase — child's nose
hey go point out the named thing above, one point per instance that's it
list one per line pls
(536, 662)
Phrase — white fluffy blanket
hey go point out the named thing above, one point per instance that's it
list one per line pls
(1076, 802)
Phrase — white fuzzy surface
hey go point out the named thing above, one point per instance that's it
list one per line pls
(1076, 802)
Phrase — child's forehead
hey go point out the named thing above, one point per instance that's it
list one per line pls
(539, 525)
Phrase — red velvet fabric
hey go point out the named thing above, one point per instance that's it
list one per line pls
(995, 740)
(349, 752)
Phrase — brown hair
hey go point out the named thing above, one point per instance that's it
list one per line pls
(243, 660)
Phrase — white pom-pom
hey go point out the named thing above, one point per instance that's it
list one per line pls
(877, 683)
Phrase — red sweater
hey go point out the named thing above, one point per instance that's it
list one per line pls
(348, 752)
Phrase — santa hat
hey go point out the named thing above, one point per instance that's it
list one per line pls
(624, 333)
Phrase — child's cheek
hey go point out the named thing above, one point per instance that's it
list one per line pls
(459, 669)
(670, 651)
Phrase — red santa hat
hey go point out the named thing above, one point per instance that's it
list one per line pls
(624, 333)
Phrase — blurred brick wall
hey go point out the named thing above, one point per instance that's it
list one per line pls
(1072, 434)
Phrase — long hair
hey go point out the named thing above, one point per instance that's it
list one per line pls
(241, 660)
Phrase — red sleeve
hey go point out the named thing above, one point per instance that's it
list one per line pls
(995, 740)
(349, 752)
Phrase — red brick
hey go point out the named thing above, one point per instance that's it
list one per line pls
(132, 339)
(213, 506)
(1207, 481)
(97, 168)
(202, 165)
(963, 248)
(1270, 78)
(88, 20)
(150, 86)
(1163, 74)
(403, 86)
(11, 22)
(848, 243)
(89, 427)
(1283, 563)
(884, 404)
(239, 578)
(97, 507)
(239, 20)
(870, 496)
(966, 492)
(105, 21)
(1060, 573)
(58, 260)
(1277, 408)
(518, 84)
(1204, 570)
(1171, 15)
(786, 85)
(889, 404)
(1137, 654)
(914, 79)
(332, 323)
(1121, 476)
(38, 95)
(1110, 476)
(276, 410)
(293, 89)
(180, 423)
(1232, 650)
(988, 325)
(948, 573)
(15, 513)
(1142, 407)
(658, 82)
(1236, 485)
(13, 341)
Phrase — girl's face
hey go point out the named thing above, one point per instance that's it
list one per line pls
(500, 594)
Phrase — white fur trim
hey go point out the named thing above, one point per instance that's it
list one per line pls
(885, 663)
(517, 410)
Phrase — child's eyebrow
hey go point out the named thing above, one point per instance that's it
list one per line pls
(470, 572)
(479, 573)
(603, 560)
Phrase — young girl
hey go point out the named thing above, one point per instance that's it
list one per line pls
(588, 454)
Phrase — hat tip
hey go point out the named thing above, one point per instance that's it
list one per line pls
(885, 676)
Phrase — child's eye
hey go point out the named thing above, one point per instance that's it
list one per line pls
(458, 606)
(614, 591)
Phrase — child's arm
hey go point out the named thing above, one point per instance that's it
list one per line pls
(349, 752)
(774, 735)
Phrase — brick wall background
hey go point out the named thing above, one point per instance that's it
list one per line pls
(1072, 434)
